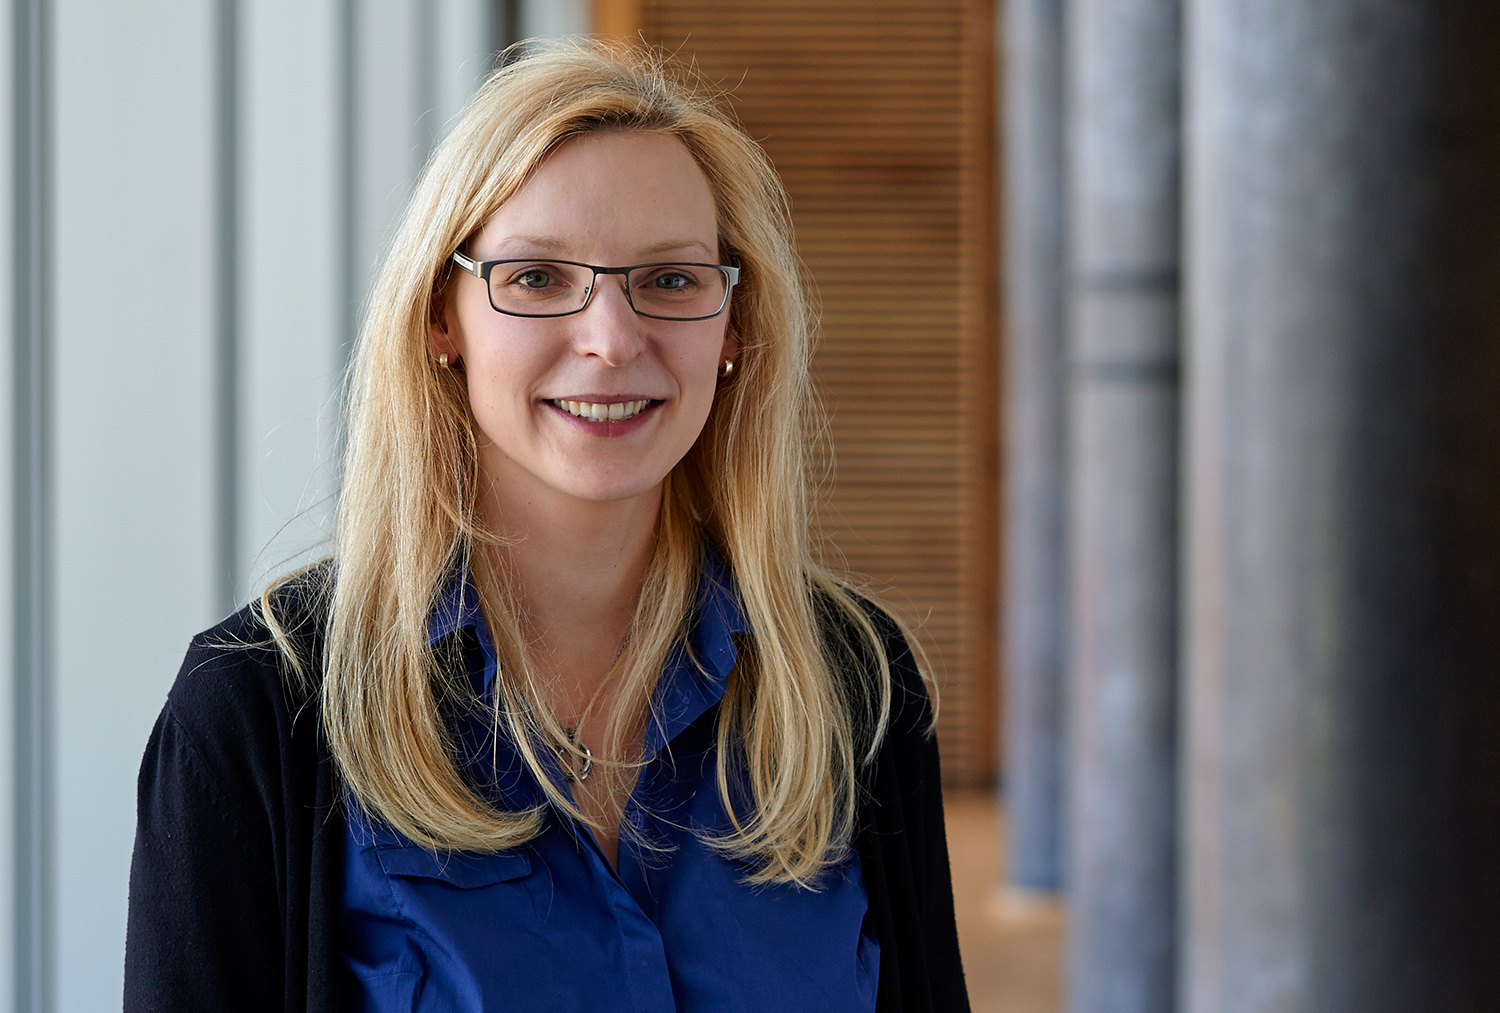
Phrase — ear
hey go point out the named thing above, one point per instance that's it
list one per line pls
(731, 349)
(441, 329)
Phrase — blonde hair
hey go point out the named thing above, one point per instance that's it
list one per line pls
(808, 701)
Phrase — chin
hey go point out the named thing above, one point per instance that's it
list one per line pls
(612, 491)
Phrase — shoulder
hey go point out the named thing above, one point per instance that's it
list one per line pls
(854, 638)
(235, 819)
(237, 694)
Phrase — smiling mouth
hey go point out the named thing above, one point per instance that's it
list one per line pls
(591, 411)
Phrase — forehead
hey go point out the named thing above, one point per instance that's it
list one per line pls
(609, 194)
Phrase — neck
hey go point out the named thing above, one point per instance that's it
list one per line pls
(576, 570)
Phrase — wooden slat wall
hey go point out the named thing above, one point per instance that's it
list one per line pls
(878, 116)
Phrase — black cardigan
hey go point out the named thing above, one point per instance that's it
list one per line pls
(235, 880)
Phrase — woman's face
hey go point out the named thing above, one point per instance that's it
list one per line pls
(611, 199)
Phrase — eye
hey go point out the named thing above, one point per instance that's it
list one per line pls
(534, 278)
(538, 287)
(671, 280)
(667, 279)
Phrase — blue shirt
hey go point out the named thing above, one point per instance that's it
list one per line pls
(552, 926)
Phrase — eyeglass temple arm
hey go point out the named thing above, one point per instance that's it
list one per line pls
(472, 266)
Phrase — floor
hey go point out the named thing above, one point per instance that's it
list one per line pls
(1011, 942)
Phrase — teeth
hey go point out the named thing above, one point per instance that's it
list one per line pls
(595, 412)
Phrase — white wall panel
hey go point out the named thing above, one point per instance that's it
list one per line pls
(553, 18)
(414, 66)
(334, 120)
(391, 134)
(292, 300)
(466, 41)
(134, 425)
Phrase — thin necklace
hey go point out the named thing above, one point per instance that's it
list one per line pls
(571, 731)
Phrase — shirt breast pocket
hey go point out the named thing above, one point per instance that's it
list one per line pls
(458, 869)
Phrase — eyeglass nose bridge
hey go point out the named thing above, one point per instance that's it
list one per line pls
(623, 272)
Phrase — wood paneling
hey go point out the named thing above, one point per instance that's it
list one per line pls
(618, 19)
(879, 117)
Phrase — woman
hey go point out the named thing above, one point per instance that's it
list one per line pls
(571, 720)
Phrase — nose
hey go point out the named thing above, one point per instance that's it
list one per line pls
(608, 327)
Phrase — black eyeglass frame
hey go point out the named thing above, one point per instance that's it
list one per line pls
(481, 269)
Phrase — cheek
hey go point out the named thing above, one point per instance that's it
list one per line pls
(700, 384)
(700, 362)
(499, 386)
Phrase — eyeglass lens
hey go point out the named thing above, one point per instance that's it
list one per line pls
(549, 288)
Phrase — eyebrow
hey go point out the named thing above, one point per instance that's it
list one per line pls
(554, 245)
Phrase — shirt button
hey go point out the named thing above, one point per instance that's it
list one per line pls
(638, 819)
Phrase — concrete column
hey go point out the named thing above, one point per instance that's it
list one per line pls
(1342, 641)
(1123, 73)
(1035, 620)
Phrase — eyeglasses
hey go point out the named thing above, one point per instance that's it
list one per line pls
(559, 288)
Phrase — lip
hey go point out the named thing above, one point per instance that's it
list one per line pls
(597, 398)
(606, 430)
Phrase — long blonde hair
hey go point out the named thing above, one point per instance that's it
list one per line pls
(806, 704)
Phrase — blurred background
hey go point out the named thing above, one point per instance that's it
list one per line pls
(1160, 344)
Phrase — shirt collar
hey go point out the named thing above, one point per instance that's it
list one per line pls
(458, 609)
(720, 613)
(696, 673)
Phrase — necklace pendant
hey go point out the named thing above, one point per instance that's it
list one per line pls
(569, 775)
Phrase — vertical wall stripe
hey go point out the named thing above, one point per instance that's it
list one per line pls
(350, 269)
(226, 299)
(429, 117)
(32, 592)
(507, 24)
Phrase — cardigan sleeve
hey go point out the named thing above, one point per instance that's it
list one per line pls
(236, 831)
(904, 846)
(204, 929)
(945, 972)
